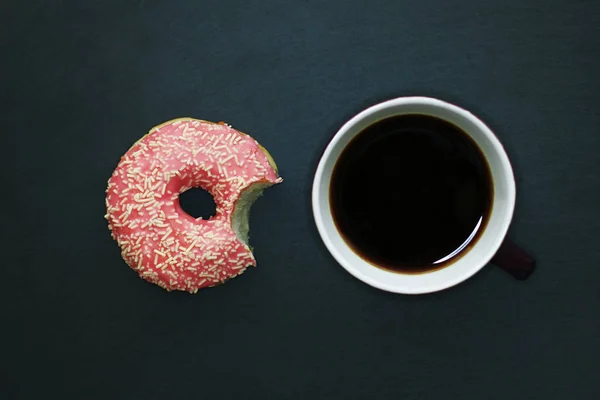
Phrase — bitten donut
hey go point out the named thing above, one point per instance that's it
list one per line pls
(159, 240)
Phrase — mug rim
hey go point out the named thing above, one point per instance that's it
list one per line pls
(326, 160)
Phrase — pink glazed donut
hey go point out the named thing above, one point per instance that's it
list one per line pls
(164, 244)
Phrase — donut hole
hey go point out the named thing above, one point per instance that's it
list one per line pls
(198, 203)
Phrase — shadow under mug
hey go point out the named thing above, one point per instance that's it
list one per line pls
(491, 245)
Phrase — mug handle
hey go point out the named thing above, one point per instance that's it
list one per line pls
(514, 260)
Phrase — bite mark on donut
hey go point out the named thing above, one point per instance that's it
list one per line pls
(240, 219)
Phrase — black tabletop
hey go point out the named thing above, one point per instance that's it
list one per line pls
(81, 81)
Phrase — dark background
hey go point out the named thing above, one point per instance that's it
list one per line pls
(82, 80)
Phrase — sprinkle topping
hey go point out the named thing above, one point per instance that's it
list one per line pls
(159, 240)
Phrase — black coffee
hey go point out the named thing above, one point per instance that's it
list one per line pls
(410, 193)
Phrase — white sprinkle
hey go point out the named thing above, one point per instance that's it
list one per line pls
(166, 235)
(144, 200)
(191, 246)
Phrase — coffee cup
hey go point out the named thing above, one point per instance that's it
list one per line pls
(472, 258)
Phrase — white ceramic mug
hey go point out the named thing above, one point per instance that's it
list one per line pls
(463, 267)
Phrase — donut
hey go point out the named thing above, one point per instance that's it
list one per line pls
(158, 239)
